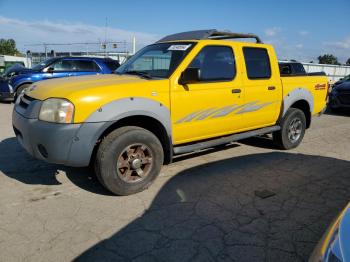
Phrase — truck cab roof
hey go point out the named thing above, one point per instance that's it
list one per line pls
(208, 34)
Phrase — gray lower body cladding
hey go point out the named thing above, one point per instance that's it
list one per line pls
(224, 140)
(66, 144)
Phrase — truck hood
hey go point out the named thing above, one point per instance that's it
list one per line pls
(88, 93)
(69, 86)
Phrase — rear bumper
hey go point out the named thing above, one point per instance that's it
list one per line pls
(66, 144)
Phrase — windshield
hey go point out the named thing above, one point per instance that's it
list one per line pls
(156, 61)
(43, 64)
(13, 68)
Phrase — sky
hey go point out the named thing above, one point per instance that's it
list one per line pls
(298, 29)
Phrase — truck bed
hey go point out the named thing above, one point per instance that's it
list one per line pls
(316, 84)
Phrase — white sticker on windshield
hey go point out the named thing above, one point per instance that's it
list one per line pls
(178, 47)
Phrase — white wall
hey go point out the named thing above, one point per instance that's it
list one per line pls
(334, 72)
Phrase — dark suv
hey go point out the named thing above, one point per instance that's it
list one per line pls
(11, 86)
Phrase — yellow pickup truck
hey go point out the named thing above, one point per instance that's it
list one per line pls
(184, 93)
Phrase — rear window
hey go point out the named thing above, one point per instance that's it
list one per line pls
(112, 65)
(298, 69)
(84, 65)
(257, 63)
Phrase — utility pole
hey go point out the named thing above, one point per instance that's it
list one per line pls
(45, 47)
(133, 45)
(105, 44)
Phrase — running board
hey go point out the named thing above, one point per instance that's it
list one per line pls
(223, 140)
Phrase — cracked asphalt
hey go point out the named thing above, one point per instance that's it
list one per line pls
(203, 207)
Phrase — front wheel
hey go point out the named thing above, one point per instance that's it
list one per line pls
(20, 90)
(128, 160)
(292, 131)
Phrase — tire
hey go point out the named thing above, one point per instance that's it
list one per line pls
(290, 137)
(128, 160)
(19, 90)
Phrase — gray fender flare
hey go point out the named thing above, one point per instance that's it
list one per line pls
(136, 106)
(97, 123)
(298, 94)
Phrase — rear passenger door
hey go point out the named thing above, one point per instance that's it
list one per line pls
(84, 67)
(263, 89)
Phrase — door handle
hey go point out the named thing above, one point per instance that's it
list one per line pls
(271, 88)
(236, 91)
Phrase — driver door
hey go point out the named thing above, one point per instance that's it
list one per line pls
(206, 108)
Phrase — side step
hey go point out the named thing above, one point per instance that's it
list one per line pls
(223, 140)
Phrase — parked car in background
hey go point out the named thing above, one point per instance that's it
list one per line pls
(55, 68)
(342, 80)
(6, 61)
(334, 246)
(294, 68)
(339, 97)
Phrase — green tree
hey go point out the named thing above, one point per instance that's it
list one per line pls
(348, 62)
(328, 59)
(8, 47)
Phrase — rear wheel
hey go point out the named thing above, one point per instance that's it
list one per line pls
(128, 160)
(292, 131)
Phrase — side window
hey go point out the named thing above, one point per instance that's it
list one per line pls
(112, 65)
(62, 65)
(84, 65)
(257, 63)
(215, 63)
(298, 69)
(285, 69)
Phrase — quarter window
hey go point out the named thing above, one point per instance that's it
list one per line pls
(257, 63)
(215, 63)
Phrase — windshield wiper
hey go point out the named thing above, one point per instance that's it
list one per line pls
(139, 73)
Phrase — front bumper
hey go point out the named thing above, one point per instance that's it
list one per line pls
(67, 144)
(339, 100)
(6, 96)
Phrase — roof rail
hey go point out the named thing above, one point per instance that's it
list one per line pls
(207, 34)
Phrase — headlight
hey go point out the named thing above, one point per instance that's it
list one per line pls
(10, 88)
(57, 110)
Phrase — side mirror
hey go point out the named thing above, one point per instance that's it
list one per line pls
(50, 70)
(189, 76)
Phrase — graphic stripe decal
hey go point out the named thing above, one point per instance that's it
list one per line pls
(223, 111)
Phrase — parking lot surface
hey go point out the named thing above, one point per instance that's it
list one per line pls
(204, 207)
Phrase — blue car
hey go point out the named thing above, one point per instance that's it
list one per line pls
(339, 98)
(11, 85)
(335, 243)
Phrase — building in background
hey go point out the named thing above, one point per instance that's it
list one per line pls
(7, 61)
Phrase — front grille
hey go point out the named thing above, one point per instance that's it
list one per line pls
(25, 101)
(344, 99)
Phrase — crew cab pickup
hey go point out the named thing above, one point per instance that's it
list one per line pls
(184, 93)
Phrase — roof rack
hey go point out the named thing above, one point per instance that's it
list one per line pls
(207, 34)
